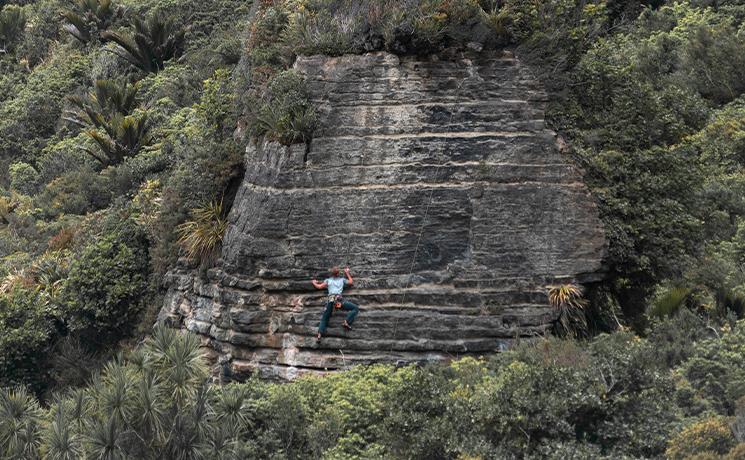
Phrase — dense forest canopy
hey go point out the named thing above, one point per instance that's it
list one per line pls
(122, 126)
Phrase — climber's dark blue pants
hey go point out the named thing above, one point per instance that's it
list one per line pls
(346, 306)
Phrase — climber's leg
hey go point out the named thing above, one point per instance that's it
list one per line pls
(325, 318)
(353, 309)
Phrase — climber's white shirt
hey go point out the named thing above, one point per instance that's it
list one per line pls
(335, 285)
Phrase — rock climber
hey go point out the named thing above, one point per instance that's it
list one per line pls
(335, 285)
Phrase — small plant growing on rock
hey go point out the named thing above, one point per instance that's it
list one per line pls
(570, 304)
(201, 236)
(285, 115)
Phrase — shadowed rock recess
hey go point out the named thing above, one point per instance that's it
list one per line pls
(437, 181)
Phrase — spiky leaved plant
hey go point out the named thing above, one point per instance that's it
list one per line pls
(104, 440)
(154, 41)
(105, 100)
(61, 439)
(286, 114)
(669, 302)
(108, 112)
(20, 418)
(570, 306)
(201, 236)
(88, 18)
(122, 137)
(179, 364)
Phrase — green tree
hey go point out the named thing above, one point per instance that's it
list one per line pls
(89, 18)
(153, 41)
(104, 289)
(12, 23)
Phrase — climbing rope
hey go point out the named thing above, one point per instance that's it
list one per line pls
(413, 261)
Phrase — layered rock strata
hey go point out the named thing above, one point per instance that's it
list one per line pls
(437, 182)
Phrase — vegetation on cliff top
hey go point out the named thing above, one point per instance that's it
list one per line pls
(117, 123)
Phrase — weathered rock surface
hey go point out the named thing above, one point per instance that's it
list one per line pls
(437, 182)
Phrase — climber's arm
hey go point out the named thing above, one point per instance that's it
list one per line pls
(319, 285)
(350, 281)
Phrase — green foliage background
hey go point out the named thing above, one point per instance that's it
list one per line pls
(612, 397)
(649, 94)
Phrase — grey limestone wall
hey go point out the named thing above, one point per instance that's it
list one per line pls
(437, 182)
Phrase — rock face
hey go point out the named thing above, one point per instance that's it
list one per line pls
(437, 182)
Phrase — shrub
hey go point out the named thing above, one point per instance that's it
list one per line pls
(711, 435)
(285, 115)
(320, 32)
(717, 369)
(76, 192)
(28, 118)
(26, 328)
(65, 156)
(23, 178)
(206, 166)
(104, 290)
(675, 339)
(264, 45)
(738, 424)
(736, 453)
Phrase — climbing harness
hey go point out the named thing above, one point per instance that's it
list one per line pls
(337, 299)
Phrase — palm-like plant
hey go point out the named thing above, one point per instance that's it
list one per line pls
(90, 17)
(122, 137)
(202, 235)
(570, 306)
(105, 439)
(105, 100)
(12, 23)
(61, 441)
(20, 418)
(149, 412)
(108, 111)
(153, 42)
(156, 404)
